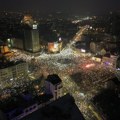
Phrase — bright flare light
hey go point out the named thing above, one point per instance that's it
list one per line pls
(90, 65)
(83, 50)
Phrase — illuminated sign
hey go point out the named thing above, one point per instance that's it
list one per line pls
(34, 26)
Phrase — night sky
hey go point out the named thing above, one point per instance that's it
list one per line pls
(69, 6)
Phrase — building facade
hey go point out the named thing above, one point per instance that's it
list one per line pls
(54, 47)
(13, 71)
(31, 39)
(53, 85)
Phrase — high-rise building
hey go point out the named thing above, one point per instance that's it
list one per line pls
(31, 34)
(31, 41)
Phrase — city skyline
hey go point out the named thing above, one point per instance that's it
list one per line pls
(59, 60)
(72, 6)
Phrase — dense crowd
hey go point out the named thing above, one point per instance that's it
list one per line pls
(68, 62)
(81, 76)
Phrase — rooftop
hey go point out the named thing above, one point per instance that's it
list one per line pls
(61, 109)
(43, 98)
(54, 79)
(9, 63)
(17, 104)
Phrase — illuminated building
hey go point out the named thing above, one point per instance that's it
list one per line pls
(31, 34)
(31, 41)
(16, 43)
(95, 47)
(54, 44)
(53, 85)
(54, 47)
(97, 58)
(4, 50)
(27, 19)
(12, 70)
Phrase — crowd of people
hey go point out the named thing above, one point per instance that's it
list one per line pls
(68, 63)
(81, 76)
